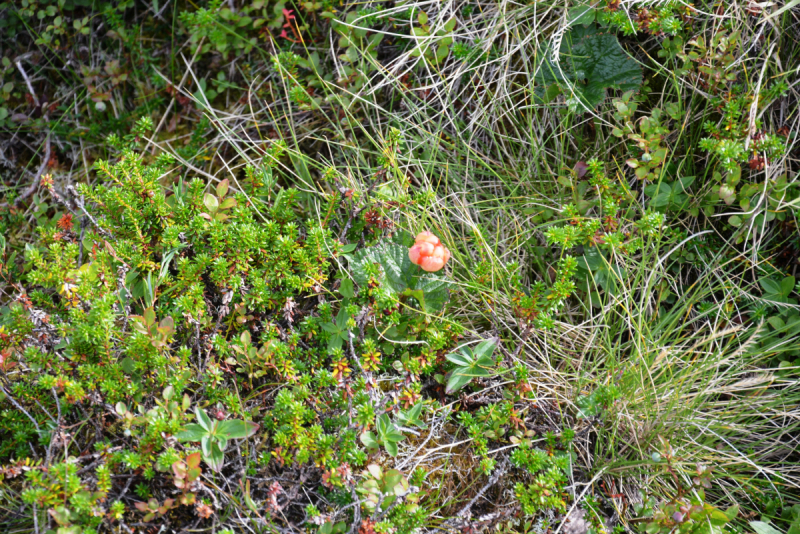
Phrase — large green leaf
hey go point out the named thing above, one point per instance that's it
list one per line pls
(191, 432)
(470, 364)
(237, 429)
(434, 292)
(400, 276)
(397, 268)
(589, 63)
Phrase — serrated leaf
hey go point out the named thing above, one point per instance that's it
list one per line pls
(394, 262)
(128, 365)
(589, 63)
(435, 292)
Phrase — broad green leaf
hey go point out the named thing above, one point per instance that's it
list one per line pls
(770, 286)
(203, 418)
(589, 63)
(391, 448)
(456, 382)
(686, 182)
(341, 319)
(732, 512)
(660, 200)
(191, 432)
(411, 417)
(460, 358)
(484, 348)
(346, 288)
(484, 364)
(228, 203)
(236, 429)
(717, 517)
(398, 271)
(368, 439)
(581, 14)
(474, 371)
(217, 457)
(435, 292)
(653, 190)
(764, 528)
(222, 188)
(206, 444)
(210, 202)
(335, 342)
(787, 285)
(149, 316)
(128, 365)
(392, 478)
(382, 425)
(394, 435)
(330, 328)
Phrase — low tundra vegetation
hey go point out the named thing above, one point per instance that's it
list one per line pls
(339, 268)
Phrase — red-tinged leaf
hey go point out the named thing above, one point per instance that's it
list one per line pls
(228, 203)
(211, 202)
(193, 460)
(222, 188)
(205, 216)
(581, 169)
(141, 506)
(179, 468)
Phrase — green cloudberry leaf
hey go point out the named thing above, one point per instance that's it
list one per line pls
(589, 63)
